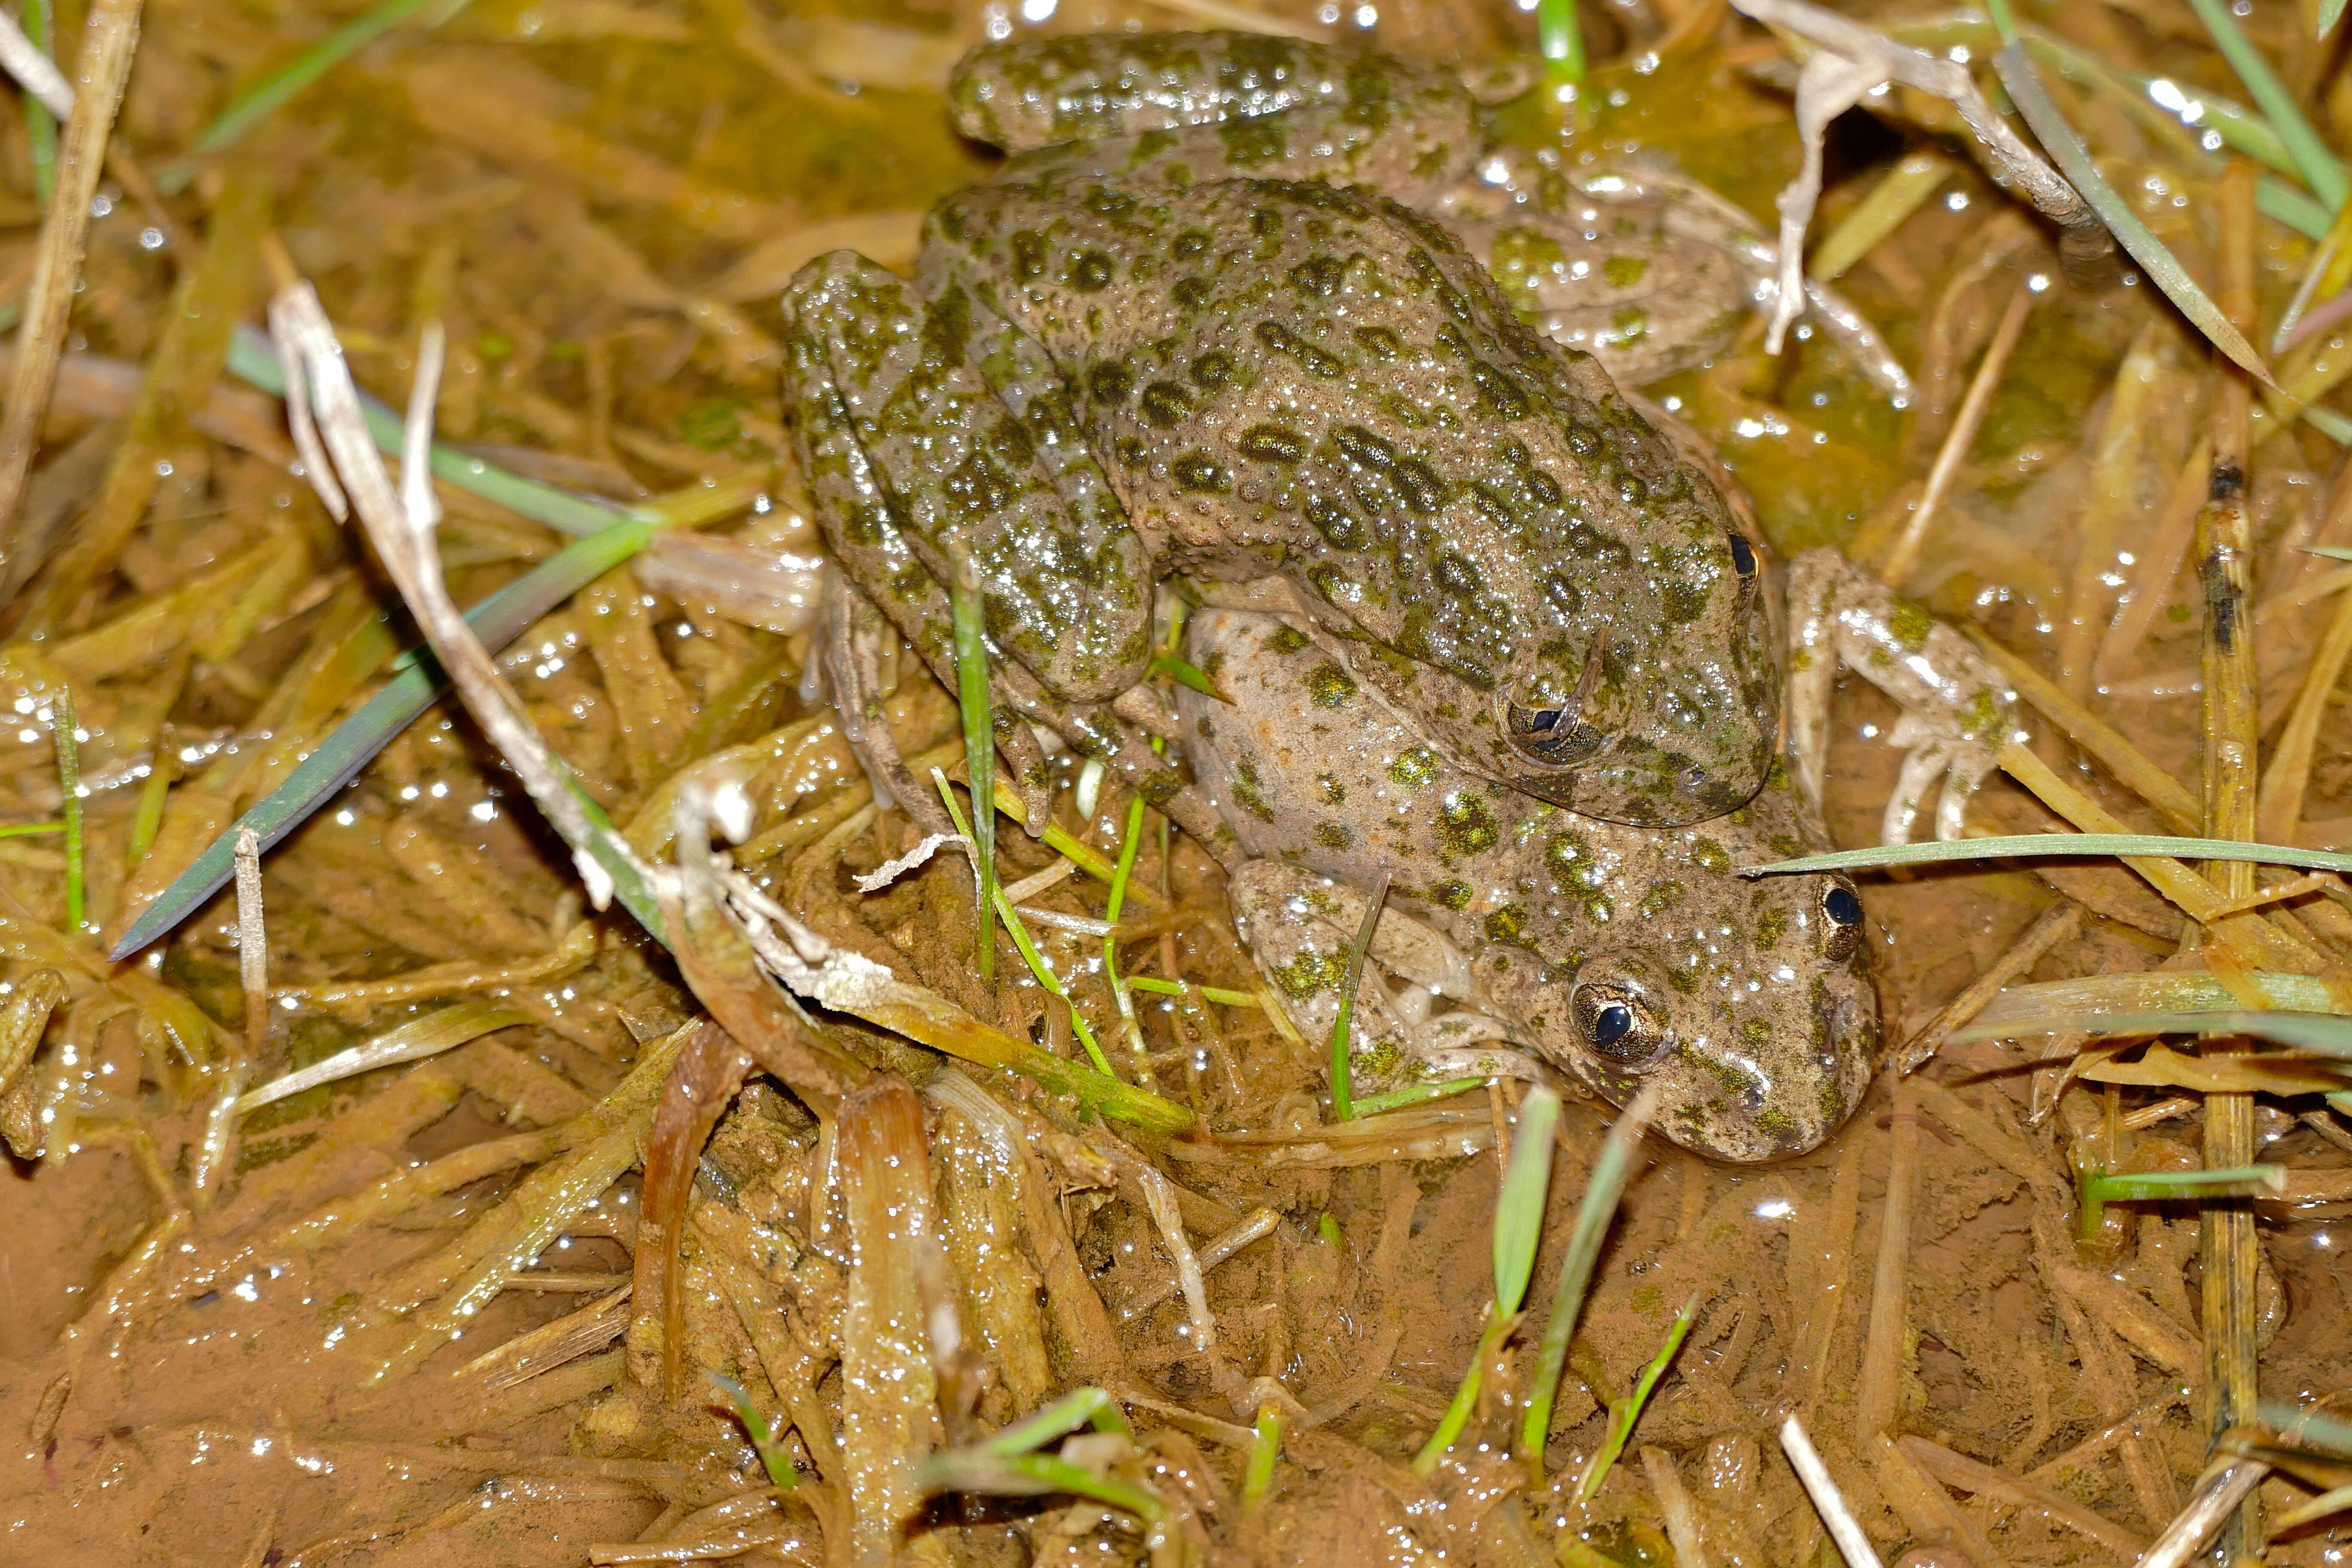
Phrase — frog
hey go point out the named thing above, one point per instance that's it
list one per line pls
(1190, 330)
(1514, 938)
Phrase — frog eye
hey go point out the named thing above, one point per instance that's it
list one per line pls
(1743, 557)
(1840, 921)
(1551, 736)
(1620, 1027)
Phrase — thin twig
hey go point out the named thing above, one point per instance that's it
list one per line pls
(2220, 1492)
(1876, 1395)
(1963, 433)
(2056, 925)
(1828, 1502)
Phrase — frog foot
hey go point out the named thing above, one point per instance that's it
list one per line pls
(1647, 270)
(1958, 711)
(1299, 928)
(848, 657)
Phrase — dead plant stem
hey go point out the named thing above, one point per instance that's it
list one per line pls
(111, 40)
(2232, 721)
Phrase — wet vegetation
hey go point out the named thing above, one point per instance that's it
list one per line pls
(573, 1118)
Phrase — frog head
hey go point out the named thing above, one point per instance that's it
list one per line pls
(1761, 1023)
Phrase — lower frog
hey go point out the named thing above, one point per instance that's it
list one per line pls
(1616, 955)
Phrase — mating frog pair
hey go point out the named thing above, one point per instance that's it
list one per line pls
(1215, 320)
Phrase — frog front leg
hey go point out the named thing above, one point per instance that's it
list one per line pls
(1958, 711)
(1299, 928)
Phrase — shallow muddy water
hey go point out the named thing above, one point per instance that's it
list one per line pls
(414, 1322)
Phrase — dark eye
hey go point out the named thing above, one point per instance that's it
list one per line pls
(1842, 918)
(1743, 557)
(1620, 1027)
(1551, 735)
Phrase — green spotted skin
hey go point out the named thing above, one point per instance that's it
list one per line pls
(1192, 332)
(1769, 1021)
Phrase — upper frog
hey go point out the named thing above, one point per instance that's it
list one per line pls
(1205, 325)
(1620, 956)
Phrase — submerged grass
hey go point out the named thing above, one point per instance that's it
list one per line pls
(1624, 1412)
(1519, 1230)
(69, 745)
(980, 767)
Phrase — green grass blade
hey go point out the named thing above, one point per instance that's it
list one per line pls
(19, 829)
(2281, 202)
(1021, 944)
(2100, 1188)
(768, 1444)
(1457, 1414)
(1610, 1170)
(2239, 129)
(1184, 674)
(2320, 168)
(69, 745)
(252, 360)
(1560, 40)
(2319, 1033)
(1087, 1407)
(416, 681)
(1129, 841)
(2073, 160)
(39, 22)
(1518, 1229)
(1343, 1099)
(2330, 13)
(979, 759)
(2308, 1423)
(1519, 1206)
(1628, 1410)
(2044, 846)
(268, 95)
(1257, 1476)
(2333, 552)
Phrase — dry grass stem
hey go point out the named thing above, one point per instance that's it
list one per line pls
(1675, 1502)
(1877, 1389)
(1904, 554)
(104, 68)
(1828, 1502)
(2230, 710)
(2114, 749)
(1970, 1475)
(2056, 924)
(2220, 1492)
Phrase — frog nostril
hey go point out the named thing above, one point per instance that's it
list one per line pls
(1693, 782)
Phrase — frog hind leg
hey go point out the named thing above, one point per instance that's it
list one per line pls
(915, 462)
(1957, 711)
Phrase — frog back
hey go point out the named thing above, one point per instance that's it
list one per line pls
(1293, 377)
